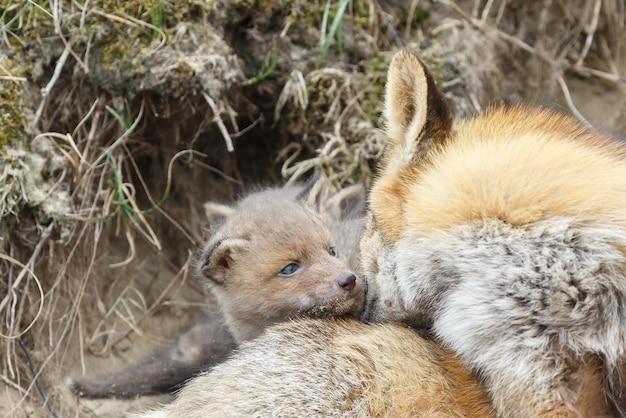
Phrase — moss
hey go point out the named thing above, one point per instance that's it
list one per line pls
(23, 19)
(376, 70)
(361, 14)
(126, 17)
(13, 119)
(419, 15)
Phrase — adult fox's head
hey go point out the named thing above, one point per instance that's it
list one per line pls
(516, 165)
(418, 123)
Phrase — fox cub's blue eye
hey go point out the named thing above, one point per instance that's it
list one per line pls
(332, 251)
(289, 269)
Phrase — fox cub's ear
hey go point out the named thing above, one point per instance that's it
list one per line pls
(219, 258)
(417, 114)
(347, 203)
(216, 213)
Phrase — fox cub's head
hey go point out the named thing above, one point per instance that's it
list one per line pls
(272, 259)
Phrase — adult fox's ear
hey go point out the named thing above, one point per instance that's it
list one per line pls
(219, 258)
(216, 213)
(418, 117)
(418, 123)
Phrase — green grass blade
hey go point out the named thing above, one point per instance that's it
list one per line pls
(324, 23)
(334, 29)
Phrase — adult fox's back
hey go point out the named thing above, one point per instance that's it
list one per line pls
(507, 234)
(520, 164)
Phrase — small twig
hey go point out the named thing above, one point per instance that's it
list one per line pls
(528, 48)
(33, 369)
(409, 19)
(12, 78)
(131, 21)
(232, 115)
(591, 30)
(486, 10)
(121, 139)
(248, 128)
(568, 98)
(581, 69)
(29, 265)
(14, 385)
(500, 13)
(57, 72)
(46, 90)
(220, 123)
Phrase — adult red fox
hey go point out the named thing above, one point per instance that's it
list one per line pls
(507, 234)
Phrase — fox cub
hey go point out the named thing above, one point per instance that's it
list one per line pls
(277, 254)
(507, 234)
(273, 259)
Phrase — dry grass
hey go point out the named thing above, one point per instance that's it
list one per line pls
(102, 188)
(556, 45)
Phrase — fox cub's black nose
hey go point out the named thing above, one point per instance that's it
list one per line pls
(347, 281)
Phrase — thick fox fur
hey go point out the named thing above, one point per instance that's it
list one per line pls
(507, 234)
(334, 368)
(241, 262)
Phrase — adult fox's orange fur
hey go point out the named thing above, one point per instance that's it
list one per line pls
(507, 234)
